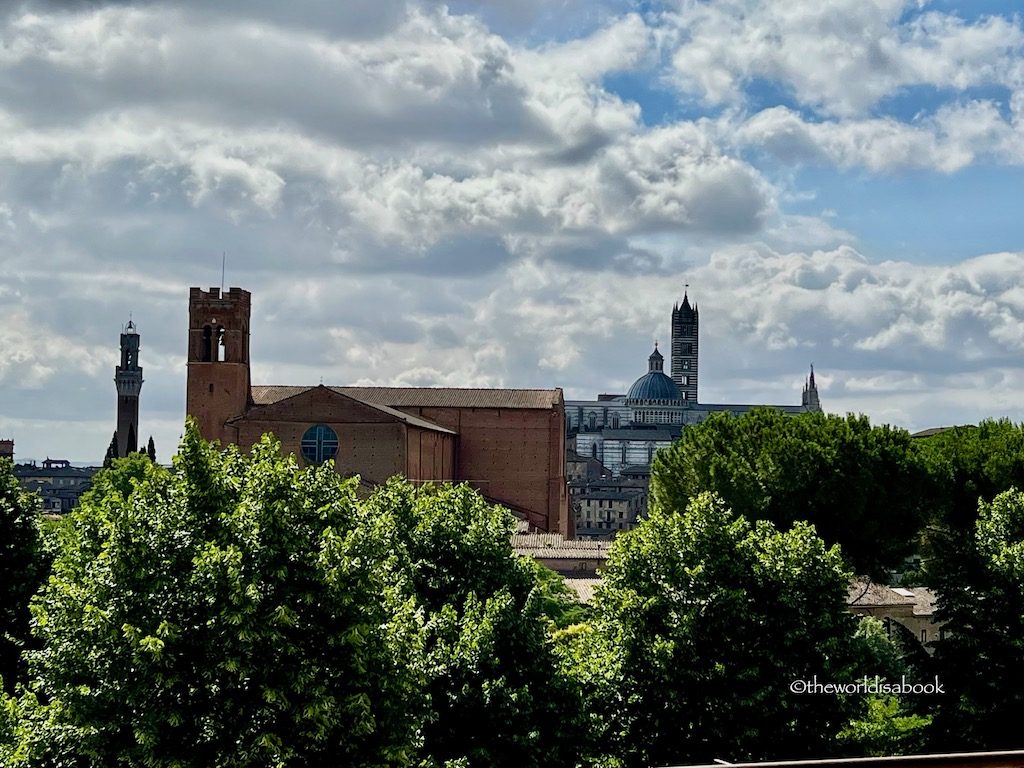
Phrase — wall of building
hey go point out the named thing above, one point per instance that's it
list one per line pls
(516, 456)
(431, 455)
(371, 443)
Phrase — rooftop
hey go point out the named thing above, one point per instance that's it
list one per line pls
(426, 397)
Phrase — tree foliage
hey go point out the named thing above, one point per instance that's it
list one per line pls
(21, 569)
(496, 697)
(223, 613)
(865, 488)
(111, 454)
(981, 601)
(236, 611)
(701, 625)
(975, 462)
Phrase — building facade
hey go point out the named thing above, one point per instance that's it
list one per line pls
(624, 430)
(507, 443)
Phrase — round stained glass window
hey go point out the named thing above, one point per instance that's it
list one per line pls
(319, 444)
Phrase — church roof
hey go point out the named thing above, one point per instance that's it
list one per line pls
(426, 397)
(407, 418)
(654, 385)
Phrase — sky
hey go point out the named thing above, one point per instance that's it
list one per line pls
(513, 193)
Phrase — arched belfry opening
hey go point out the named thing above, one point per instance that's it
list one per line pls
(218, 358)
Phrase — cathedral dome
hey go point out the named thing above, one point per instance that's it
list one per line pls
(653, 385)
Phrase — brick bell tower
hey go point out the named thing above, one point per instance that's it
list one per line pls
(218, 359)
(128, 380)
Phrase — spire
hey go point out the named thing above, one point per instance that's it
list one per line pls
(810, 400)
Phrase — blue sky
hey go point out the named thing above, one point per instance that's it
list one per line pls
(513, 193)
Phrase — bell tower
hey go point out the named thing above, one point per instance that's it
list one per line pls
(218, 386)
(685, 326)
(128, 380)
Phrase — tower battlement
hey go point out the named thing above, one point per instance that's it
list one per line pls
(218, 357)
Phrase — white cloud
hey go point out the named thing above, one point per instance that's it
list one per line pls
(840, 57)
(955, 137)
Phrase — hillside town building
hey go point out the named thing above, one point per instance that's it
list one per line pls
(507, 443)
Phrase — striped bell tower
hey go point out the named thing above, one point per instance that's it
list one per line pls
(685, 322)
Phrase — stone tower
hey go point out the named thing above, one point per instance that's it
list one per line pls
(685, 323)
(218, 359)
(809, 399)
(128, 379)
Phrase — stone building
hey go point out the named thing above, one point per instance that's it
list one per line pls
(128, 380)
(602, 508)
(507, 443)
(59, 484)
(912, 608)
(624, 430)
(7, 450)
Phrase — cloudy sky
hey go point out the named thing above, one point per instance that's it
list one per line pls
(513, 193)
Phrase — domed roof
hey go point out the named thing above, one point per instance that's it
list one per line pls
(653, 385)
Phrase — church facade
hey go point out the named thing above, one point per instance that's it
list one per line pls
(626, 430)
(507, 443)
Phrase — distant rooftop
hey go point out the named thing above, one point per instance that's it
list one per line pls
(426, 397)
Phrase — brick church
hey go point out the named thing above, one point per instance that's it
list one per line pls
(507, 443)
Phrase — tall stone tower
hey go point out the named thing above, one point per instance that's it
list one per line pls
(128, 379)
(218, 359)
(685, 322)
(809, 399)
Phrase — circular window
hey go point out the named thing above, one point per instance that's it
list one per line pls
(319, 444)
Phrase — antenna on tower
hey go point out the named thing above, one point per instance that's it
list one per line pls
(223, 265)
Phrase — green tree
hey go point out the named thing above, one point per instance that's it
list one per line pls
(865, 488)
(981, 601)
(969, 463)
(703, 622)
(225, 612)
(151, 449)
(21, 569)
(108, 459)
(887, 728)
(496, 695)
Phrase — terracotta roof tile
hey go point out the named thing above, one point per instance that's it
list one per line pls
(427, 397)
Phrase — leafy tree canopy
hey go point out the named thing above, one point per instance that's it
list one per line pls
(236, 611)
(972, 463)
(981, 601)
(223, 613)
(21, 569)
(701, 625)
(865, 488)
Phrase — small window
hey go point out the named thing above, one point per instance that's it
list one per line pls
(319, 444)
(924, 635)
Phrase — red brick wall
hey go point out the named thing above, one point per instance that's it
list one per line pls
(512, 455)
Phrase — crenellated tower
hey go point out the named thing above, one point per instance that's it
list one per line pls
(685, 322)
(219, 384)
(128, 380)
